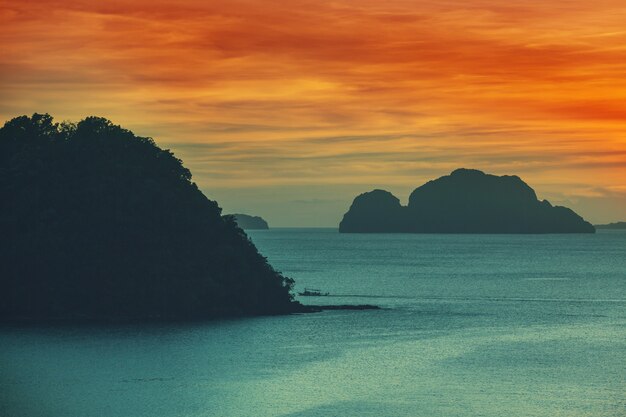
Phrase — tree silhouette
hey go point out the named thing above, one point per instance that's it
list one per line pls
(96, 222)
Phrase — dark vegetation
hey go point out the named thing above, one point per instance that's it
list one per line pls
(616, 226)
(96, 222)
(250, 222)
(466, 201)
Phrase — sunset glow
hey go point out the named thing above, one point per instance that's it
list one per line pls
(290, 109)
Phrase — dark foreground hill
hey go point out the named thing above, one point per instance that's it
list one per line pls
(466, 201)
(99, 223)
(246, 221)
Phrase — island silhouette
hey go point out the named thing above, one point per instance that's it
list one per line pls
(98, 223)
(246, 221)
(612, 226)
(466, 201)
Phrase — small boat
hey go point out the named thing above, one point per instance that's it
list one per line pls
(312, 292)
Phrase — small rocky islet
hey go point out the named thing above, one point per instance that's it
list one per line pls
(466, 201)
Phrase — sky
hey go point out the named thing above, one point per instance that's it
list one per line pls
(289, 109)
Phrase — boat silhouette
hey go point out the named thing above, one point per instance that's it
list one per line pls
(312, 292)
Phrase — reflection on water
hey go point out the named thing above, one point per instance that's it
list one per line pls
(470, 325)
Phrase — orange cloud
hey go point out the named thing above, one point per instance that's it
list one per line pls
(351, 93)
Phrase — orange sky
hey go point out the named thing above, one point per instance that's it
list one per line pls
(288, 109)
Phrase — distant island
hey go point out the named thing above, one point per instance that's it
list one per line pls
(246, 221)
(616, 226)
(466, 201)
(98, 223)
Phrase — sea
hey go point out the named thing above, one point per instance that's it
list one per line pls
(468, 325)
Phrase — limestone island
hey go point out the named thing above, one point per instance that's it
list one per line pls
(246, 221)
(100, 224)
(612, 226)
(466, 201)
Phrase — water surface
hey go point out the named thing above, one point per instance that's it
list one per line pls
(471, 325)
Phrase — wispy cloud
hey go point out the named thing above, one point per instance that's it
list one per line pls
(271, 93)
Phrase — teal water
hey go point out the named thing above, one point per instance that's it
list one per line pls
(471, 325)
